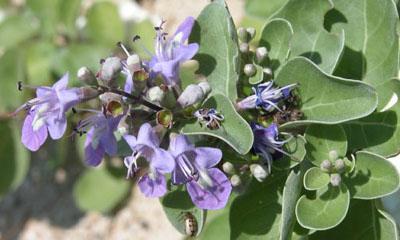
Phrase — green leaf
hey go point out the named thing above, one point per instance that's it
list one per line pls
(326, 211)
(315, 179)
(258, 77)
(234, 130)
(218, 228)
(46, 12)
(363, 222)
(39, 59)
(16, 29)
(218, 54)
(373, 177)
(112, 190)
(104, 24)
(310, 39)
(256, 214)
(177, 206)
(297, 149)
(14, 158)
(11, 71)
(372, 44)
(379, 132)
(262, 8)
(324, 98)
(321, 139)
(73, 57)
(276, 37)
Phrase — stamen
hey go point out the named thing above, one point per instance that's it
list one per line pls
(123, 48)
(19, 85)
(135, 38)
(102, 61)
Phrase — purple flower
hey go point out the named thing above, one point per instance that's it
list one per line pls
(266, 97)
(157, 161)
(46, 112)
(208, 187)
(266, 143)
(170, 53)
(100, 138)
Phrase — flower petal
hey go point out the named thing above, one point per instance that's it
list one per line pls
(153, 187)
(162, 161)
(184, 53)
(169, 70)
(62, 83)
(128, 87)
(147, 136)
(131, 140)
(56, 126)
(109, 143)
(183, 31)
(32, 139)
(93, 156)
(214, 197)
(179, 144)
(207, 157)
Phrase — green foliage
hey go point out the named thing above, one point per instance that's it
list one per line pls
(218, 54)
(262, 8)
(99, 190)
(326, 210)
(297, 151)
(315, 179)
(373, 177)
(178, 207)
(234, 129)
(325, 98)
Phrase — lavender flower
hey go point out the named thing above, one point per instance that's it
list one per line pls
(266, 143)
(266, 97)
(170, 53)
(46, 112)
(100, 138)
(157, 161)
(208, 187)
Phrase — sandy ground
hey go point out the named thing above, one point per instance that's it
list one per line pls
(43, 207)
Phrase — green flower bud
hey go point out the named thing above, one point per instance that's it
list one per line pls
(339, 165)
(267, 73)
(165, 118)
(243, 35)
(110, 69)
(261, 54)
(250, 70)
(252, 32)
(336, 179)
(86, 76)
(333, 155)
(260, 172)
(244, 47)
(155, 94)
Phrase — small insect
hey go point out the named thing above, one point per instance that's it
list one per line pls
(210, 117)
(191, 227)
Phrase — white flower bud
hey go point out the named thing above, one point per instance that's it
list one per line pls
(205, 86)
(110, 68)
(259, 172)
(244, 47)
(236, 181)
(326, 165)
(339, 165)
(228, 168)
(261, 54)
(86, 76)
(336, 179)
(250, 70)
(243, 35)
(155, 94)
(191, 95)
(333, 155)
(251, 31)
(133, 62)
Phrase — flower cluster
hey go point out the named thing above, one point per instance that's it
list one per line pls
(153, 88)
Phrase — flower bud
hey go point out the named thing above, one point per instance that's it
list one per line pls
(326, 166)
(89, 93)
(244, 47)
(243, 35)
(252, 32)
(261, 54)
(339, 165)
(228, 168)
(268, 73)
(192, 94)
(155, 94)
(236, 181)
(259, 172)
(205, 86)
(250, 70)
(110, 69)
(333, 155)
(86, 76)
(165, 118)
(336, 179)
